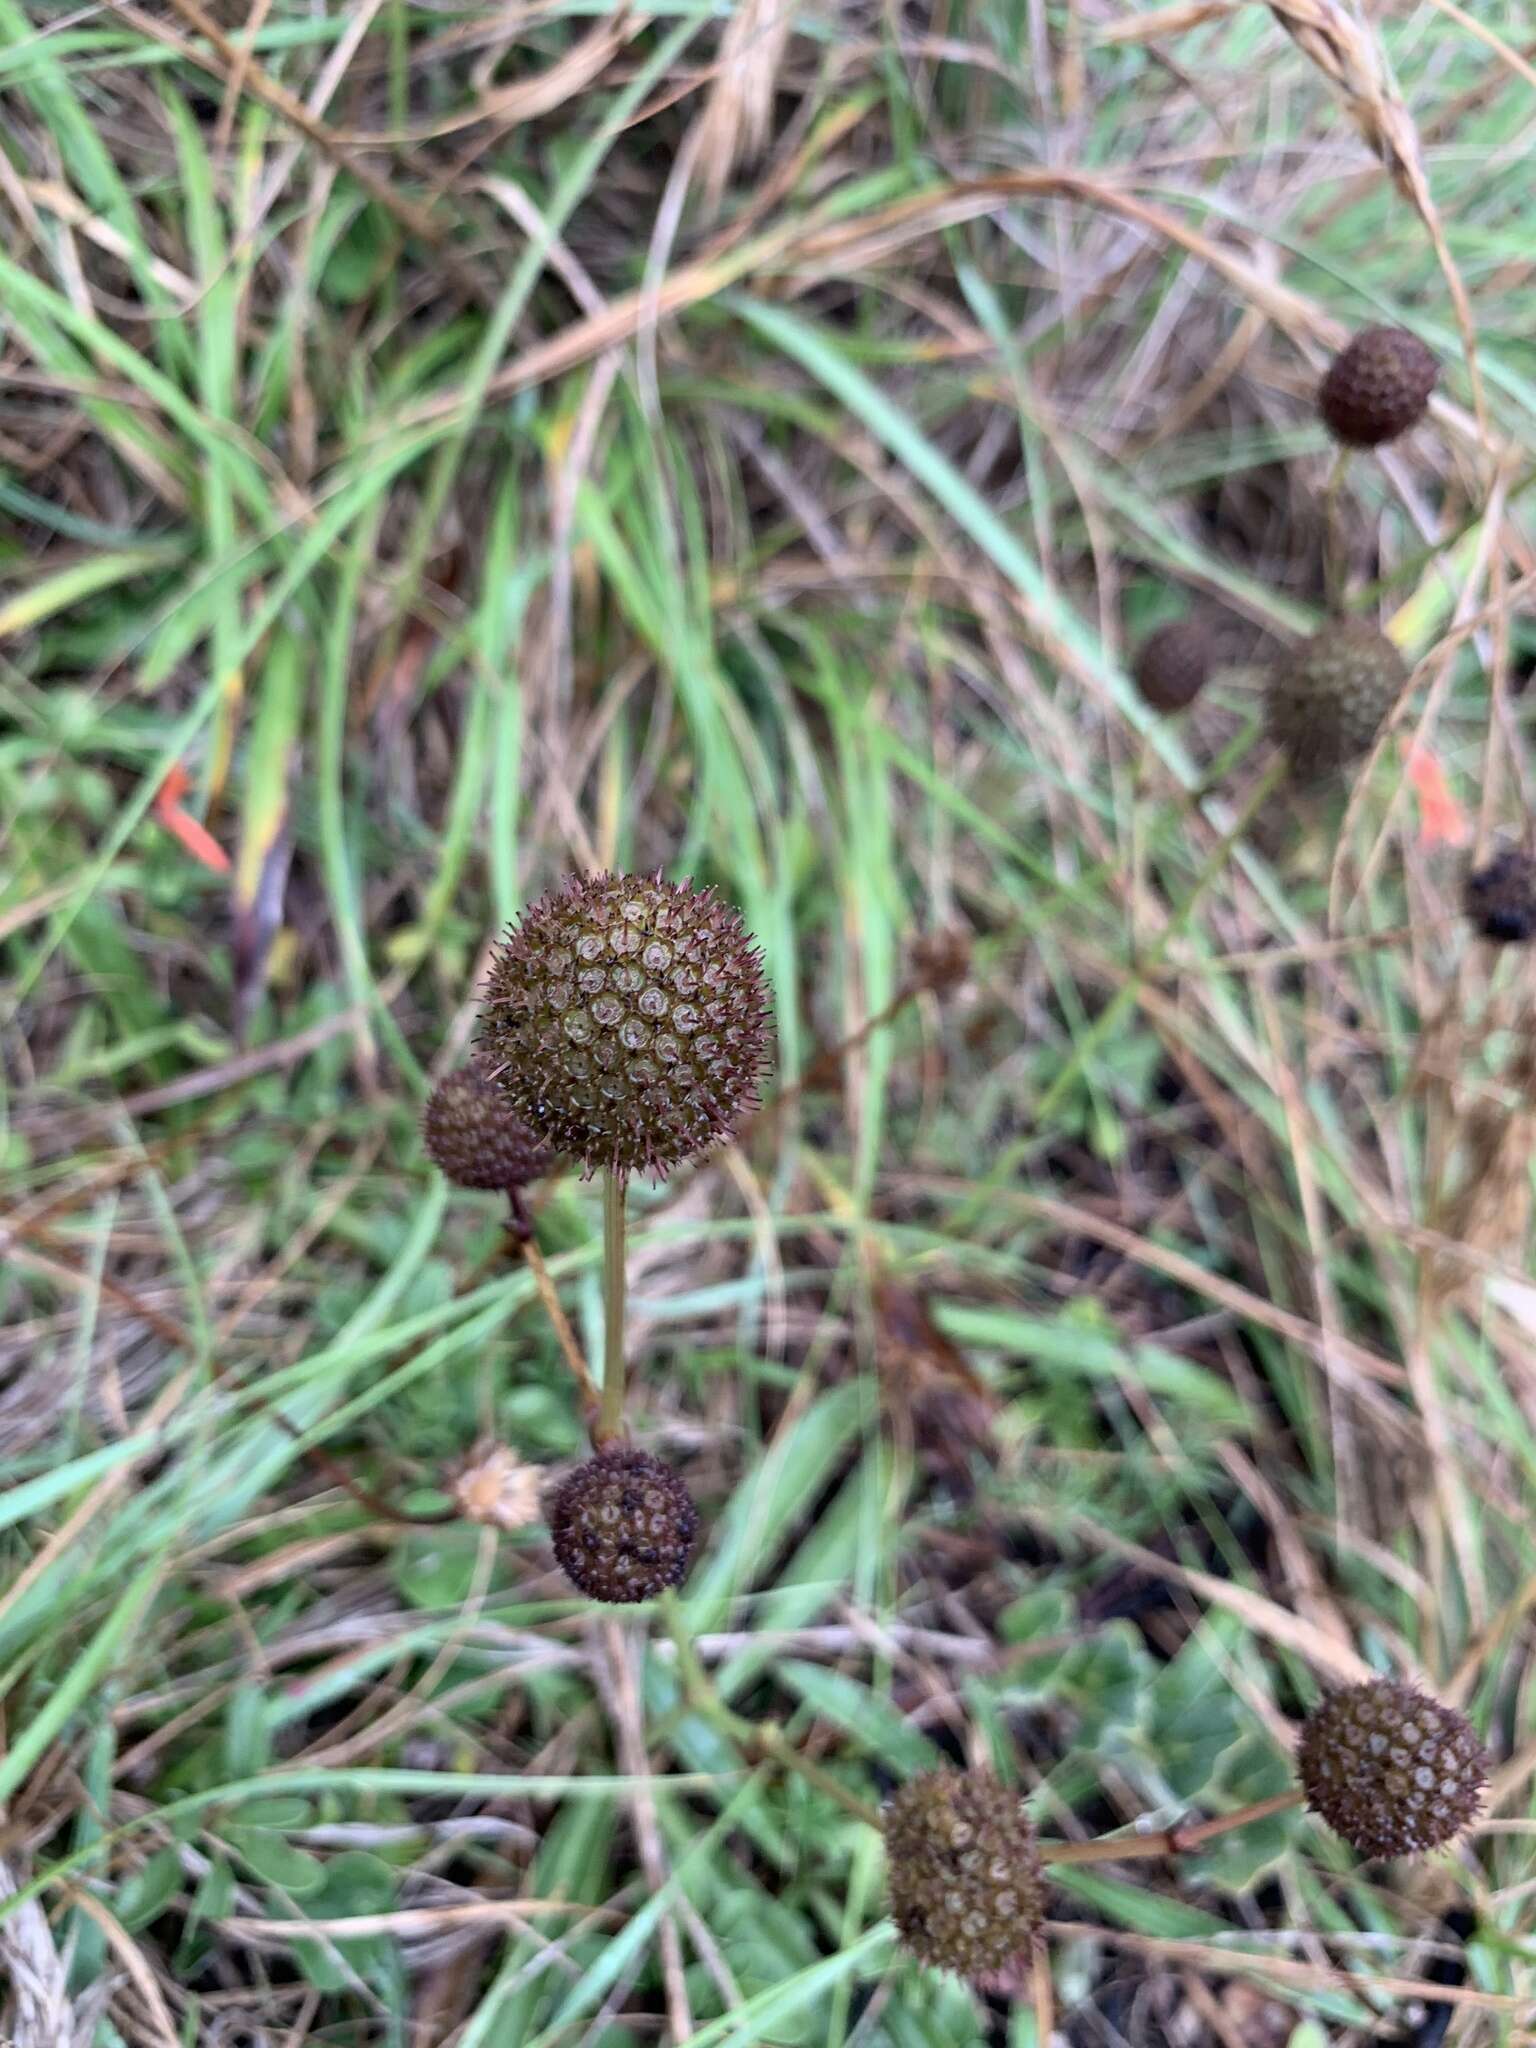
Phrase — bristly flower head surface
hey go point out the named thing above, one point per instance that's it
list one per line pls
(963, 1872)
(475, 1138)
(623, 1526)
(1391, 1770)
(626, 1020)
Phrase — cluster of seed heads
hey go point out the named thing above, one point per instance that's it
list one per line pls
(623, 1526)
(1391, 1771)
(963, 1872)
(625, 1020)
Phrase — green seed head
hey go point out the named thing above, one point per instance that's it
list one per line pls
(625, 1020)
(1327, 699)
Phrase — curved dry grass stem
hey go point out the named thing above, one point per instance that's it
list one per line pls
(1351, 59)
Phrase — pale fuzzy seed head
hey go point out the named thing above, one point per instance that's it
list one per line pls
(1390, 1769)
(626, 1020)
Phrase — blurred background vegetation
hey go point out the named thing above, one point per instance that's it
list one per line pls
(445, 444)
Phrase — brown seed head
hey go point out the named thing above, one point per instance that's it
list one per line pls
(963, 1873)
(626, 1019)
(623, 1526)
(1378, 387)
(474, 1138)
(1327, 699)
(1390, 1770)
(1174, 663)
(1500, 897)
(941, 959)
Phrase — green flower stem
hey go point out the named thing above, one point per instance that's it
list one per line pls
(756, 1738)
(611, 1420)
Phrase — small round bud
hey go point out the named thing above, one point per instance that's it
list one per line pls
(1378, 387)
(475, 1139)
(963, 1873)
(626, 1019)
(1390, 1770)
(941, 959)
(1328, 698)
(623, 1526)
(1500, 897)
(1174, 663)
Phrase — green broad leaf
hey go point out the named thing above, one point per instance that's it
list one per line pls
(276, 1862)
(871, 1720)
(150, 1890)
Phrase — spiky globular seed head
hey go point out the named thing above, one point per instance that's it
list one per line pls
(1500, 897)
(475, 1138)
(623, 1526)
(1390, 1770)
(1377, 387)
(626, 1019)
(1327, 699)
(963, 1872)
(1174, 663)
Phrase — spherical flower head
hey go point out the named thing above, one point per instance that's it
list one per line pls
(1174, 663)
(1328, 699)
(1378, 387)
(476, 1139)
(626, 1021)
(1390, 1770)
(623, 1526)
(1500, 897)
(963, 1873)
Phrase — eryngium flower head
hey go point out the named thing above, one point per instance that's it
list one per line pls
(1327, 700)
(963, 1873)
(626, 1019)
(476, 1139)
(1173, 664)
(1390, 1770)
(1378, 387)
(1500, 897)
(623, 1526)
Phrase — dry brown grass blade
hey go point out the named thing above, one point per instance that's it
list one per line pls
(1167, 21)
(1286, 1969)
(1351, 60)
(32, 1970)
(230, 60)
(524, 100)
(734, 124)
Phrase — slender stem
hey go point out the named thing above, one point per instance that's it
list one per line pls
(611, 1421)
(1178, 1840)
(762, 1738)
(565, 1336)
(1333, 553)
